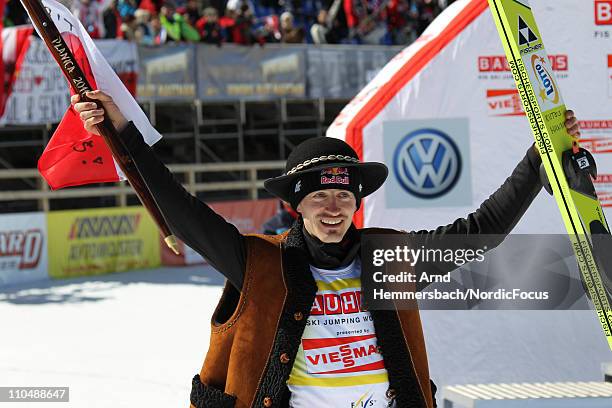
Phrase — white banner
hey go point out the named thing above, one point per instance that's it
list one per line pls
(453, 88)
(23, 248)
(40, 93)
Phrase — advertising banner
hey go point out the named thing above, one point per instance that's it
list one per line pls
(122, 56)
(341, 72)
(23, 248)
(104, 240)
(234, 72)
(247, 216)
(38, 93)
(167, 73)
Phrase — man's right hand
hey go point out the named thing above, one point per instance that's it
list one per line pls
(91, 115)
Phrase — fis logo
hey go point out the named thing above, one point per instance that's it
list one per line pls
(548, 90)
(335, 175)
(603, 12)
(366, 400)
(104, 226)
(24, 245)
(504, 102)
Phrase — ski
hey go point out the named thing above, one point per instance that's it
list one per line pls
(568, 167)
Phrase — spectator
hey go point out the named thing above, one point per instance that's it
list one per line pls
(14, 14)
(89, 12)
(209, 28)
(400, 29)
(176, 27)
(328, 29)
(319, 30)
(191, 12)
(424, 12)
(159, 35)
(269, 32)
(112, 21)
(142, 31)
(289, 33)
(128, 28)
(240, 23)
(126, 8)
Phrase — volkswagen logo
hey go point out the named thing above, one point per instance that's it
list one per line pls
(427, 163)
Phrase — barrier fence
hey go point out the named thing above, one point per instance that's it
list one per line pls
(102, 240)
(40, 192)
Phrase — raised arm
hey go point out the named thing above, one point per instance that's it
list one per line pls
(190, 219)
(499, 213)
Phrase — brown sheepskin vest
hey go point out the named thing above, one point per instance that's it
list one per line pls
(255, 335)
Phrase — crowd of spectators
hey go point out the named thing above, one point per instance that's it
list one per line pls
(250, 22)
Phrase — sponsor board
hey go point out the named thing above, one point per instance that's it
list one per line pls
(23, 248)
(609, 75)
(104, 240)
(428, 162)
(603, 186)
(504, 102)
(602, 19)
(247, 216)
(496, 66)
(340, 355)
(596, 135)
(603, 12)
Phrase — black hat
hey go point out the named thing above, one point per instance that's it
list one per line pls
(322, 163)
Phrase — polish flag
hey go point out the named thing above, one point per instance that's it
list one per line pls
(73, 156)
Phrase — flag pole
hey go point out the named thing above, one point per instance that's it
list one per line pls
(69, 66)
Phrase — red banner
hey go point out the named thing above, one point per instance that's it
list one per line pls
(247, 216)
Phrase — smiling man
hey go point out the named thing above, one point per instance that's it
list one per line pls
(290, 329)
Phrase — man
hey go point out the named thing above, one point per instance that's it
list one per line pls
(289, 330)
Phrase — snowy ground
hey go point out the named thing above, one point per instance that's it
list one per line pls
(120, 340)
(136, 339)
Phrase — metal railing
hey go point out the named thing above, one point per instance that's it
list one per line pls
(120, 191)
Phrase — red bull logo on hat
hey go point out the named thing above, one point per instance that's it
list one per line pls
(335, 175)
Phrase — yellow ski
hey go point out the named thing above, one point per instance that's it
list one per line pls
(567, 166)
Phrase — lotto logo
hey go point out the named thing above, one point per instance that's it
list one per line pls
(603, 12)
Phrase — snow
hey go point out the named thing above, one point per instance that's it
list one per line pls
(120, 340)
(137, 338)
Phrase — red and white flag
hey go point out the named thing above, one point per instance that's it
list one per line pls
(74, 156)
